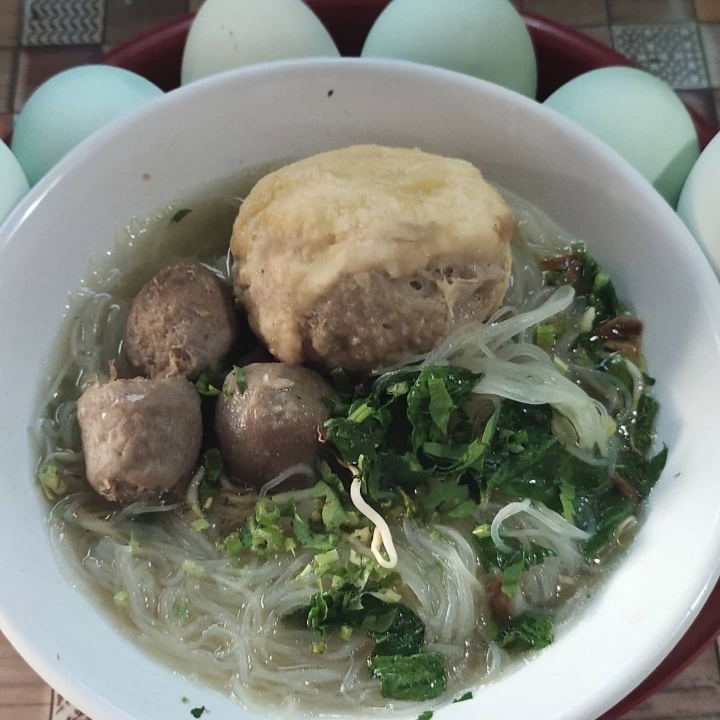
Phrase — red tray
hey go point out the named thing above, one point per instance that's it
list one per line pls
(562, 54)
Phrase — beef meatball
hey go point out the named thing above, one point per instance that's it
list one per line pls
(362, 256)
(272, 423)
(140, 436)
(180, 323)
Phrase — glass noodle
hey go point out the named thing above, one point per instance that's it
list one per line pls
(219, 619)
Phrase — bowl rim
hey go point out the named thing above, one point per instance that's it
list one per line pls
(69, 685)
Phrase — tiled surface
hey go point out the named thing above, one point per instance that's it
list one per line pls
(707, 10)
(650, 11)
(694, 695)
(71, 22)
(127, 18)
(9, 22)
(599, 32)
(710, 35)
(671, 51)
(573, 12)
(677, 39)
(23, 695)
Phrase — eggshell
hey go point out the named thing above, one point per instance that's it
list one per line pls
(228, 34)
(484, 38)
(70, 106)
(638, 115)
(699, 204)
(13, 183)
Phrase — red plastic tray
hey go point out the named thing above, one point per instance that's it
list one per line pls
(562, 54)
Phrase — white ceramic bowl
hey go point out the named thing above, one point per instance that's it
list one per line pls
(187, 141)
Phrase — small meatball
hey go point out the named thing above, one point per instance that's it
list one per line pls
(140, 436)
(180, 323)
(360, 257)
(273, 423)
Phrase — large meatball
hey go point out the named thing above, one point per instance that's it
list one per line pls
(362, 256)
(180, 323)
(140, 436)
(273, 422)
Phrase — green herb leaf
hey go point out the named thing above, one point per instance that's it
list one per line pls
(405, 635)
(427, 715)
(213, 464)
(465, 696)
(511, 578)
(440, 405)
(240, 379)
(180, 215)
(529, 630)
(209, 383)
(52, 484)
(417, 677)
(198, 712)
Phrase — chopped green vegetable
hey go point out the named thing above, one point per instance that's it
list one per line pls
(51, 482)
(180, 609)
(180, 215)
(133, 544)
(465, 696)
(511, 578)
(240, 379)
(405, 634)
(545, 335)
(427, 715)
(529, 630)
(416, 677)
(200, 524)
(440, 405)
(318, 647)
(121, 598)
(192, 568)
(209, 383)
(213, 464)
(233, 545)
(198, 712)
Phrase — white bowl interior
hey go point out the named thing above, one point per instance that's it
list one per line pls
(193, 138)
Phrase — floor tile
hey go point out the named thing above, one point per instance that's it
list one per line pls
(9, 22)
(7, 72)
(672, 52)
(710, 35)
(650, 11)
(38, 64)
(707, 10)
(599, 32)
(571, 12)
(22, 692)
(694, 694)
(703, 102)
(125, 18)
(64, 22)
(63, 710)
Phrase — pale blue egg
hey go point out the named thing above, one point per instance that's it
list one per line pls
(484, 38)
(699, 205)
(13, 183)
(228, 34)
(638, 115)
(69, 107)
